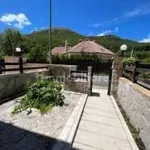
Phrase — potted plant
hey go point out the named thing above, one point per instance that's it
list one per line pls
(129, 61)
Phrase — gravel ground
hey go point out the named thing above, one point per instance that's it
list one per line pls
(34, 131)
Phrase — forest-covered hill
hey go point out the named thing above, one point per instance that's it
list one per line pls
(35, 46)
(112, 42)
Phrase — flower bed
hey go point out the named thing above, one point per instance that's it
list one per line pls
(43, 95)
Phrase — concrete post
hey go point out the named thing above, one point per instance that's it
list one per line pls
(66, 46)
(110, 75)
(90, 80)
(116, 73)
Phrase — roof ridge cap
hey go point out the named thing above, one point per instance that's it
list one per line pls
(75, 46)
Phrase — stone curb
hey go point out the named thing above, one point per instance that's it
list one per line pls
(65, 139)
(125, 127)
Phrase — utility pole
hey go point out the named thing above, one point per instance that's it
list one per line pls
(50, 33)
(132, 51)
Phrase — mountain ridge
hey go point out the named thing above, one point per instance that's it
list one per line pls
(67, 29)
(112, 42)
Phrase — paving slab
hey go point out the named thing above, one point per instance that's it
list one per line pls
(102, 126)
(103, 129)
(101, 141)
(108, 121)
(102, 104)
(101, 112)
(79, 146)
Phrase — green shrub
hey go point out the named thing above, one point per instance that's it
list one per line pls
(37, 54)
(146, 60)
(43, 95)
(1, 55)
(129, 60)
(145, 76)
(141, 55)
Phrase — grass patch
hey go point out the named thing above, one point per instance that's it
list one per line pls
(134, 132)
(43, 95)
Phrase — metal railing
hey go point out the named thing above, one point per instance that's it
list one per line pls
(21, 68)
(136, 73)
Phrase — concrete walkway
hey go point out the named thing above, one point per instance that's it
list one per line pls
(102, 126)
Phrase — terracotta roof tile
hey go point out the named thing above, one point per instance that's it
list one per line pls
(59, 50)
(89, 47)
(84, 46)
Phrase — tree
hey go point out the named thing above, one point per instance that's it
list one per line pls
(9, 40)
(38, 53)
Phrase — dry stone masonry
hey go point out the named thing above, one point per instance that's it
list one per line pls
(135, 100)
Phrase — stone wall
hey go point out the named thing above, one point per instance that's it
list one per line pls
(135, 100)
(80, 85)
(77, 86)
(60, 72)
(14, 84)
(63, 71)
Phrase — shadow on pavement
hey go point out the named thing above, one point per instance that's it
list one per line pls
(95, 94)
(15, 138)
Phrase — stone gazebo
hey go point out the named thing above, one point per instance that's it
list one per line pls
(87, 47)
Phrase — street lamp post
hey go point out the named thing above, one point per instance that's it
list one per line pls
(50, 33)
(18, 50)
(123, 48)
(132, 51)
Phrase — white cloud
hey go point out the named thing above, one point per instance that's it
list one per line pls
(139, 11)
(34, 29)
(116, 29)
(96, 25)
(105, 32)
(17, 20)
(145, 40)
(44, 28)
(39, 29)
(108, 32)
(135, 12)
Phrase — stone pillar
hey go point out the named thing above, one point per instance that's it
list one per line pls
(90, 80)
(116, 73)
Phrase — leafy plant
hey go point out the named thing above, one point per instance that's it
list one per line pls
(1, 55)
(129, 60)
(43, 95)
(145, 76)
(147, 60)
(38, 53)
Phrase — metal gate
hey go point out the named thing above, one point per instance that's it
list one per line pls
(103, 76)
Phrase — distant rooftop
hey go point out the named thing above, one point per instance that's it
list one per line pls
(59, 50)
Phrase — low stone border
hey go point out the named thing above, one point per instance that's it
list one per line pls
(125, 127)
(66, 137)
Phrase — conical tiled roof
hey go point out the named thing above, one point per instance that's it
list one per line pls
(89, 47)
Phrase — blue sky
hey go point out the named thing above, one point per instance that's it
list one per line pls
(125, 18)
